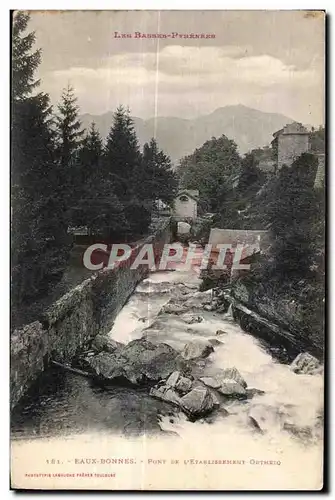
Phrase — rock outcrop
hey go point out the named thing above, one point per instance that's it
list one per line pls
(197, 349)
(197, 403)
(215, 342)
(254, 392)
(231, 388)
(305, 363)
(104, 343)
(228, 382)
(181, 384)
(138, 362)
(233, 374)
(220, 332)
(165, 393)
(190, 319)
(174, 308)
(211, 382)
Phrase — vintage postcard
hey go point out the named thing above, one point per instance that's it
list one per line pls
(168, 250)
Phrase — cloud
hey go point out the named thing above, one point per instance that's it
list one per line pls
(133, 78)
(174, 63)
(270, 60)
(187, 67)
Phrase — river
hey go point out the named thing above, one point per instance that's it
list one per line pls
(68, 406)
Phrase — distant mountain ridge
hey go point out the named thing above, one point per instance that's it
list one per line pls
(249, 128)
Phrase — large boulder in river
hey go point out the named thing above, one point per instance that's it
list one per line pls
(174, 308)
(231, 388)
(210, 382)
(181, 384)
(138, 362)
(165, 393)
(197, 349)
(104, 343)
(305, 363)
(190, 319)
(233, 374)
(252, 392)
(197, 403)
(215, 342)
(228, 382)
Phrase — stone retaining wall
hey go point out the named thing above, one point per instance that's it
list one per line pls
(283, 315)
(78, 316)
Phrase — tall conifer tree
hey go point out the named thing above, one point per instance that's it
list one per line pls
(156, 181)
(122, 154)
(39, 249)
(98, 207)
(122, 164)
(69, 142)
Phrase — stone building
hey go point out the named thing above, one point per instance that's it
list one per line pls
(289, 143)
(186, 204)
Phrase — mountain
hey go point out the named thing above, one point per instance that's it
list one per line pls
(249, 128)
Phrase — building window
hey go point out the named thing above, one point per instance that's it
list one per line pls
(183, 198)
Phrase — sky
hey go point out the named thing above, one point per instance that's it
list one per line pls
(269, 60)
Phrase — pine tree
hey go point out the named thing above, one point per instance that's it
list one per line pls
(122, 166)
(92, 147)
(39, 249)
(69, 128)
(98, 207)
(156, 181)
(69, 135)
(122, 154)
(24, 62)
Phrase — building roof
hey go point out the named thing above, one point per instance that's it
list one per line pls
(291, 128)
(192, 193)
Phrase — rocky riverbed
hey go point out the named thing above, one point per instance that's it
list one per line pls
(178, 355)
(175, 365)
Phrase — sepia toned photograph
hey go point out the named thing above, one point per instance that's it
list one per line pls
(168, 185)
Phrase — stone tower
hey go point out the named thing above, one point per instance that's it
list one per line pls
(289, 143)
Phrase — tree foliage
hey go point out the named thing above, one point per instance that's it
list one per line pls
(156, 179)
(317, 140)
(24, 60)
(69, 141)
(293, 267)
(211, 169)
(97, 206)
(62, 178)
(122, 156)
(39, 246)
(290, 213)
(68, 128)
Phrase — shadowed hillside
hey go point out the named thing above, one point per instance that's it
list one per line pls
(249, 128)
